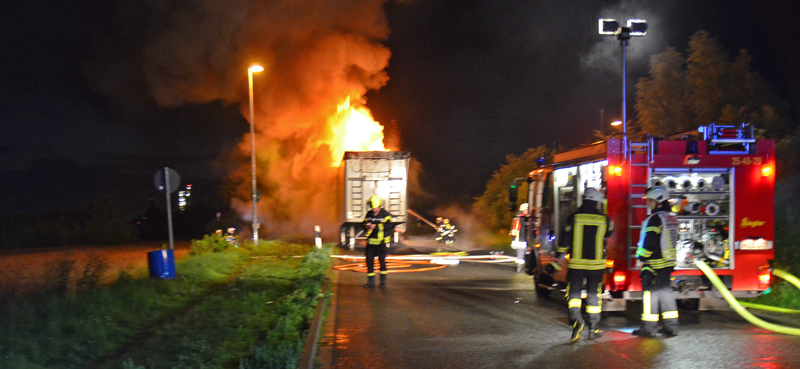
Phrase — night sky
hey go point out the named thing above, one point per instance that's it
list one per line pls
(469, 83)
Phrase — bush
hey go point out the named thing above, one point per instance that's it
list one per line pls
(210, 243)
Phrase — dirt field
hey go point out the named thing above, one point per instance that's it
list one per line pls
(25, 271)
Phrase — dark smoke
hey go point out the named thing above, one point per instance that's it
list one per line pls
(315, 55)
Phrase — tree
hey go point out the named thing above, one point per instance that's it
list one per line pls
(492, 206)
(683, 93)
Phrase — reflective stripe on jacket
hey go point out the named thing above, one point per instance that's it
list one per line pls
(585, 239)
(382, 233)
(659, 240)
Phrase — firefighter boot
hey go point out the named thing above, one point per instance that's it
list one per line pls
(370, 282)
(668, 332)
(641, 332)
(594, 331)
(383, 281)
(577, 328)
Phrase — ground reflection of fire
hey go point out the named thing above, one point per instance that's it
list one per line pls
(420, 263)
(405, 266)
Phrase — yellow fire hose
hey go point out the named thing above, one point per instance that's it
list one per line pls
(738, 306)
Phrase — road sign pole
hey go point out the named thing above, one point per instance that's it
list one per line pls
(169, 207)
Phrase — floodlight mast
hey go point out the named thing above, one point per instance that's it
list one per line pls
(635, 28)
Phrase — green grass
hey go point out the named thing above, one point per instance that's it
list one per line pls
(782, 294)
(222, 310)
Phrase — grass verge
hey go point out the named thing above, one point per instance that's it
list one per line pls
(226, 309)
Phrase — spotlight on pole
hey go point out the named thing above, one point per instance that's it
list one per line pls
(635, 28)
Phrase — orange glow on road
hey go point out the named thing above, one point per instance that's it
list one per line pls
(392, 266)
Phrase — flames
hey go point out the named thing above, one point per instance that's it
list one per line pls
(354, 130)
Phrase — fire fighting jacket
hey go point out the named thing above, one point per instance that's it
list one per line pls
(382, 233)
(585, 237)
(518, 230)
(659, 239)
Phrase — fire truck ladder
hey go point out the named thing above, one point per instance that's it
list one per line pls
(639, 179)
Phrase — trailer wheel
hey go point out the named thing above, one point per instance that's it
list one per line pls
(344, 236)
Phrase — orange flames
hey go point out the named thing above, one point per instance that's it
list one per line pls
(355, 130)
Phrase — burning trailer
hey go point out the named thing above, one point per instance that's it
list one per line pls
(366, 173)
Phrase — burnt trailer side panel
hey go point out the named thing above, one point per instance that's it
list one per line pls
(367, 173)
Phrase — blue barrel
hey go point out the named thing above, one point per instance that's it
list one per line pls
(162, 264)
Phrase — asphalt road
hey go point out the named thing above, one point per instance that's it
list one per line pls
(477, 315)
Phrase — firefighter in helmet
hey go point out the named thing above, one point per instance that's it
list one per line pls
(518, 233)
(439, 229)
(230, 236)
(584, 239)
(379, 228)
(448, 231)
(657, 251)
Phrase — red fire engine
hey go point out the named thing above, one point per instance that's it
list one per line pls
(722, 184)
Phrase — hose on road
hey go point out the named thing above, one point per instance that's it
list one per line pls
(737, 306)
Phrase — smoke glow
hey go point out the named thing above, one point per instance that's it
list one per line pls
(320, 59)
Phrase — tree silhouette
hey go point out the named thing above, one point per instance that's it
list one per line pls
(706, 86)
(492, 206)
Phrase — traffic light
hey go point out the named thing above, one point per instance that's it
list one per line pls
(512, 194)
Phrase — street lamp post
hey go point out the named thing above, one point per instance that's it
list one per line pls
(250, 71)
(636, 27)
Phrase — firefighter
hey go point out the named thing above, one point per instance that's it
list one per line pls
(584, 240)
(448, 231)
(379, 227)
(657, 251)
(439, 229)
(518, 233)
(230, 236)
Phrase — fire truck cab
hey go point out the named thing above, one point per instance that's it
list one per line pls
(721, 180)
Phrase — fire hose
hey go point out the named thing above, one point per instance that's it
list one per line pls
(740, 309)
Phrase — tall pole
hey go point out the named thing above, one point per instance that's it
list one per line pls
(623, 43)
(254, 68)
(168, 191)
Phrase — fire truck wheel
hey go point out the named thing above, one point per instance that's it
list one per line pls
(541, 283)
(689, 304)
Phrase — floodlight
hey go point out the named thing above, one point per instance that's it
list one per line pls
(638, 27)
(608, 26)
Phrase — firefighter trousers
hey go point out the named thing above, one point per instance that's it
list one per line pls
(658, 297)
(575, 279)
(371, 252)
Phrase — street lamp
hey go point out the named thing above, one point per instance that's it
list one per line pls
(253, 69)
(637, 28)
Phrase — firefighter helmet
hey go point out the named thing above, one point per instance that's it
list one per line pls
(446, 221)
(592, 194)
(659, 194)
(523, 206)
(374, 201)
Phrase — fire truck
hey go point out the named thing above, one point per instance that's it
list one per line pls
(721, 180)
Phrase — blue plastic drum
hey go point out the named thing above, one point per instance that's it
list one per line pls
(162, 264)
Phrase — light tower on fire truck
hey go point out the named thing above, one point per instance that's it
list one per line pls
(635, 28)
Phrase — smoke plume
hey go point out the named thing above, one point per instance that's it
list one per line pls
(320, 58)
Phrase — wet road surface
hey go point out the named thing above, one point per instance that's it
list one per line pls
(476, 315)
